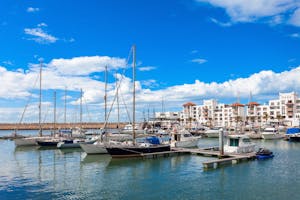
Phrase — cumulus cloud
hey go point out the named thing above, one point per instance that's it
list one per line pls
(31, 9)
(20, 84)
(40, 35)
(85, 65)
(273, 11)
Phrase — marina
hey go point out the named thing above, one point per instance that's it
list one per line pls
(32, 172)
(151, 100)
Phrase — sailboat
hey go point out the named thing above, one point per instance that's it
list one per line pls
(135, 149)
(98, 146)
(76, 140)
(32, 141)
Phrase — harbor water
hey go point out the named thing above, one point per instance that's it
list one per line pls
(34, 173)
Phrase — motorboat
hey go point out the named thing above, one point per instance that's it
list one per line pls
(184, 139)
(264, 153)
(239, 144)
(270, 133)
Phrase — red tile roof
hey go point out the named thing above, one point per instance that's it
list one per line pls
(237, 105)
(253, 104)
(188, 104)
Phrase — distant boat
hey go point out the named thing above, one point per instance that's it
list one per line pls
(271, 133)
(239, 144)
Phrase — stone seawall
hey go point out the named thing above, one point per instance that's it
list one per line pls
(35, 126)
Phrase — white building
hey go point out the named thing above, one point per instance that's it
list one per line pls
(285, 110)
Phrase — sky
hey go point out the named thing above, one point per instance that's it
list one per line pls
(186, 50)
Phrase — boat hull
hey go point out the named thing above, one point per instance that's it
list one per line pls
(29, 141)
(68, 145)
(47, 143)
(188, 143)
(272, 136)
(263, 156)
(132, 151)
(294, 138)
(94, 148)
(25, 142)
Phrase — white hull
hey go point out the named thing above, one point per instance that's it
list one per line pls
(94, 148)
(271, 136)
(187, 144)
(30, 141)
(243, 149)
(63, 145)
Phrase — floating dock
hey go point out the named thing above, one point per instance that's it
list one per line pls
(210, 152)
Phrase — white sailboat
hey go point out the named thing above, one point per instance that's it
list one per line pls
(135, 149)
(98, 147)
(32, 141)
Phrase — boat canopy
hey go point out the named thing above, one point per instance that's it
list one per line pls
(292, 130)
(153, 140)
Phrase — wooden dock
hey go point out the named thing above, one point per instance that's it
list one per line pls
(212, 164)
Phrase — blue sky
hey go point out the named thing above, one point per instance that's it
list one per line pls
(187, 50)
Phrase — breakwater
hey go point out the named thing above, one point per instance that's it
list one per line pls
(35, 126)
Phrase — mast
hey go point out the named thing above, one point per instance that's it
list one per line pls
(54, 112)
(118, 106)
(40, 98)
(80, 119)
(105, 95)
(133, 80)
(65, 113)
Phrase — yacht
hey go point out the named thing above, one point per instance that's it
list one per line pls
(239, 144)
(271, 133)
(184, 139)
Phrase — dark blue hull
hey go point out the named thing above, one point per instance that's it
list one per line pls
(47, 143)
(262, 157)
(124, 152)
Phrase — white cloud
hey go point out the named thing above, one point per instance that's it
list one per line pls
(40, 36)
(85, 65)
(31, 9)
(42, 24)
(199, 60)
(295, 35)
(295, 19)
(8, 62)
(147, 68)
(18, 85)
(273, 11)
(224, 24)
